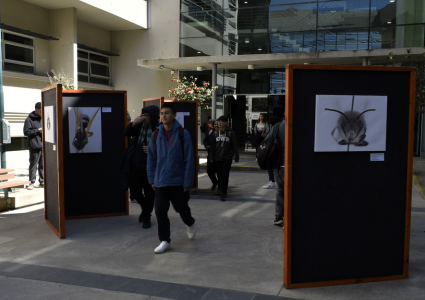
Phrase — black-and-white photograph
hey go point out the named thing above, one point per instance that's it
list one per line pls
(346, 123)
(85, 129)
(50, 124)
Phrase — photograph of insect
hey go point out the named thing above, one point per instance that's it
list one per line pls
(85, 130)
(342, 122)
(49, 124)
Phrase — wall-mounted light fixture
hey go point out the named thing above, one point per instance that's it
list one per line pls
(161, 66)
(251, 67)
(199, 68)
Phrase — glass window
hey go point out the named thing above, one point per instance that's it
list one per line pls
(385, 12)
(17, 53)
(83, 78)
(293, 42)
(93, 68)
(199, 24)
(252, 20)
(83, 66)
(397, 37)
(18, 39)
(18, 68)
(99, 70)
(293, 17)
(201, 5)
(99, 58)
(340, 40)
(83, 54)
(201, 47)
(253, 44)
(343, 14)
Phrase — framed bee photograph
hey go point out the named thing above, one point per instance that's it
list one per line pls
(50, 123)
(347, 123)
(85, 129)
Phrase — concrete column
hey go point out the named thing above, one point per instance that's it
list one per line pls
(63, 53)
(214, 98)
(365, 61)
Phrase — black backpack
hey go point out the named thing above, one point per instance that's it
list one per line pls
(269, 153)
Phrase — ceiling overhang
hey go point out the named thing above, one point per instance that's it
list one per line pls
(96, 16)
(278, 60)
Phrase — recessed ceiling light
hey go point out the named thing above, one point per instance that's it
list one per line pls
(199, 52)
(246, 2)
(389, 22)
(259, 49)
(392, 0)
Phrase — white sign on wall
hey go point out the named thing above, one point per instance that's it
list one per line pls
(50, 124)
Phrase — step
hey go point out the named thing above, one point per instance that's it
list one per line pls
(4, 171)
(13, 183)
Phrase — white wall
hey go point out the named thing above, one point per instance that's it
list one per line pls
(63, 25)
(160, 41)
(93, 36)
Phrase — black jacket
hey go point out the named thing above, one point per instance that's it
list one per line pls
(136, 156)
(208, 138)
(31, 126)
(224, 145)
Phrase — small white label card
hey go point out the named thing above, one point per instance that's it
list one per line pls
(54, 147)
(106, 109)
(377, 157)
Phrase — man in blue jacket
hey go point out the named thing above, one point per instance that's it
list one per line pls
(171, 173)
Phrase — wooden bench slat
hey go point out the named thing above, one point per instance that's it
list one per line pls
(4, 171)
(13, 183)
(7, 176)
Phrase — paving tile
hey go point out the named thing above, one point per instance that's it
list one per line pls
(5, 239)
(267, 297)
(27, 271)
(215, 294)
(193, 293)
(142, 286)
(94, 280)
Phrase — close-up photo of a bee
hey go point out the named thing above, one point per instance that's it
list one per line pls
(83, 125)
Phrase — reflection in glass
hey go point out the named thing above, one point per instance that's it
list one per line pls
(341, 40)
(199, 24)
(201, 46)
(293, 42)
(18, 53)
(343, 14)
(398, 12)
(293, 17)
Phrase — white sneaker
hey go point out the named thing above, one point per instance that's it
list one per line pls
(164, 246)
(191, 232)
(270, 185)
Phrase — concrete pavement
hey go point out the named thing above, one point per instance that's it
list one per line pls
(237, 254)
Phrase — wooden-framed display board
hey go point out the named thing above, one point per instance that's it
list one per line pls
(159, 101)
(347, 190)
(82, 167)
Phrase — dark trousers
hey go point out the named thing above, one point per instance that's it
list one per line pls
(211, 171)
(271, 175)
(179, 199)
(223, 170)
(138, 185)
(279, 174)
(36, 160)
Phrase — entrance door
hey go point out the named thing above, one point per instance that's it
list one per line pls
(255, 105)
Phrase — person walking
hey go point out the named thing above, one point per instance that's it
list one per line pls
(279, 174)
(211, 170)
(33, 130)
(171, 170)
(224, 147)
(271, 185)
(141, 190)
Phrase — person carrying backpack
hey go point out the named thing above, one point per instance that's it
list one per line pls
(171, 169)
(275, 141)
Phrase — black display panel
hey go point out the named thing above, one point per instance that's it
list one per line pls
(51, 180)
(91, 179)
(348, 212)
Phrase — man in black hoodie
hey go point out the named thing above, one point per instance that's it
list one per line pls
(33, 130)
(224, 146)
(143, 128)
